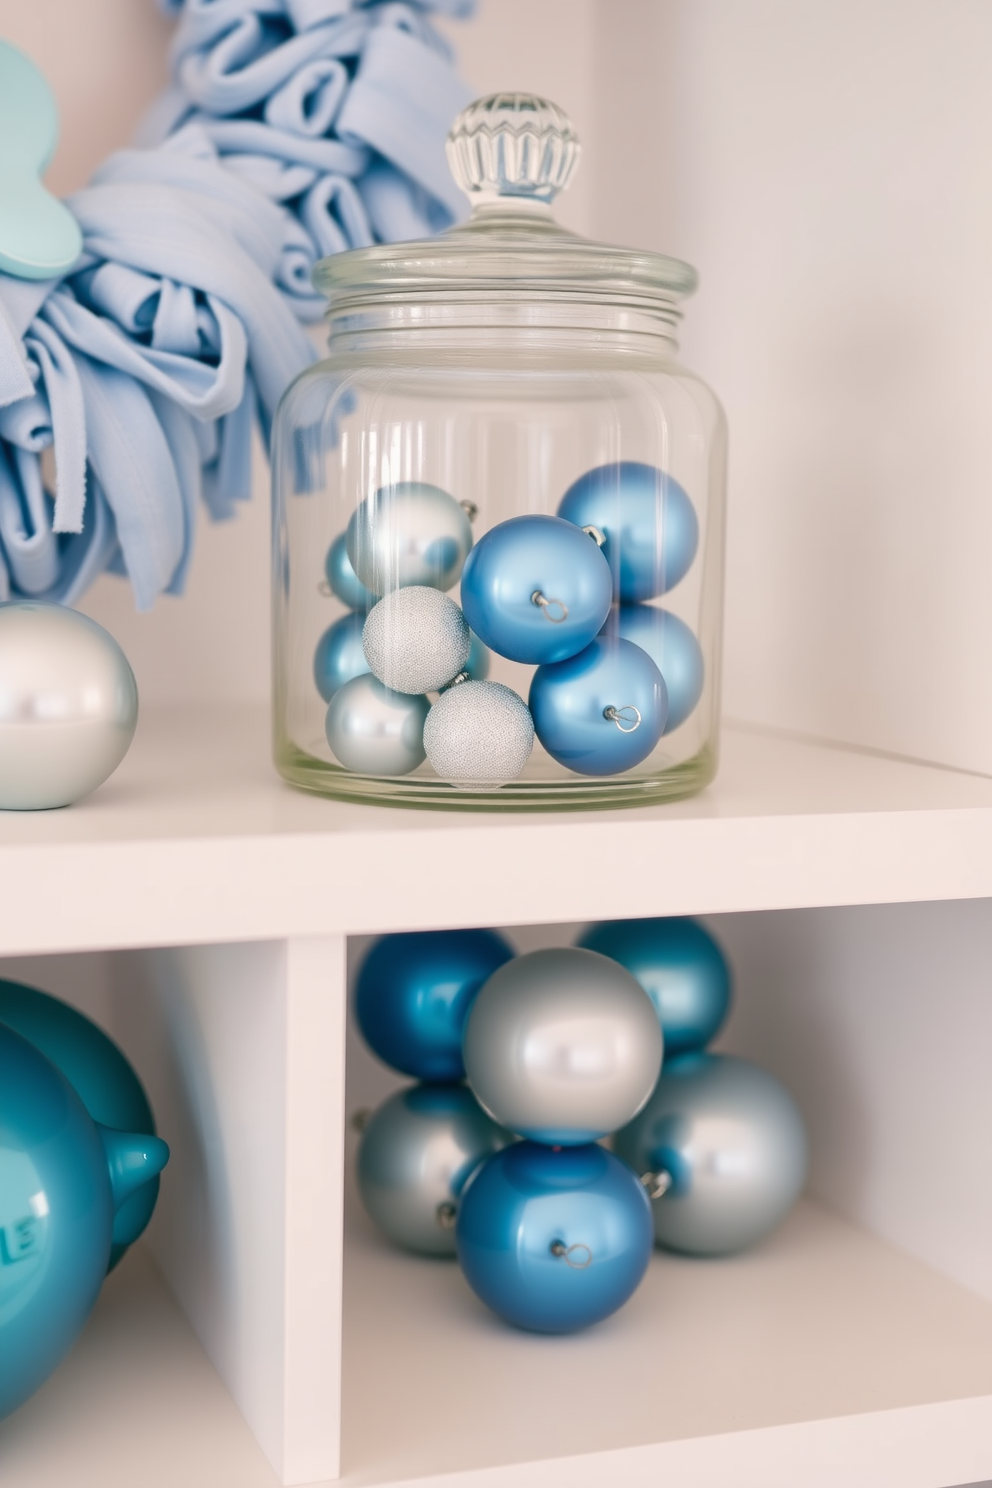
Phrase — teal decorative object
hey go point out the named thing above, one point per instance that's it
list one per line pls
(100, 1075)
(61, 1179)
(39, 237)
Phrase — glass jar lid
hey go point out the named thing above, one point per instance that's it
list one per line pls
(511, 154)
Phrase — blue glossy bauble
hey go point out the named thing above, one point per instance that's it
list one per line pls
(417, 1153)
(536, 589)
(554, 1239)
(414, 993)
(649, 523)
(600, 712)
(61, 1177)
(342, 578)
(339, 655)
(681, 968)
(672, 647)
(408, 533)
(732, 1141)
(101, 1076)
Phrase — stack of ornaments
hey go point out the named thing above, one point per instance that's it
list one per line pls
(563, 593)
(562, 1049)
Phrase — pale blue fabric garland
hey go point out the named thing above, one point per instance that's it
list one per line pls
(294, 129)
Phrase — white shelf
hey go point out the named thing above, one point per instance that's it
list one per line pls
(196, 840)
(824, 1357)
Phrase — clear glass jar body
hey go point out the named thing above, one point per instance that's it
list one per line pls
(504, 414)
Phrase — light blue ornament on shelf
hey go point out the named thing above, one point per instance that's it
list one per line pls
(373, 731)
(339, 656)
(417, 1152)
(552, 1240)
(414, 993)
(536, 589)
(408, 533)
(601, 712)
(649, 524)
(673, 648)
(342, 579)
(681, 968)
(729, 1141)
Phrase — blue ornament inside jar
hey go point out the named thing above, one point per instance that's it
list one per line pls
(499, 509)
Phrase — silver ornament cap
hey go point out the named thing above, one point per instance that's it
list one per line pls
(416, 639)
(479, 735)
(68, 705)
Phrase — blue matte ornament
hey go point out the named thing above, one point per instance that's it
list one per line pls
(536, 589)
(600, 712)
(672, 647)
(61, 1179)
(479, 661)
(342, 579)
(101, 1076)
(681, 968)
(339, 655)
(554, 1239)
(648, 521)
(414, 993)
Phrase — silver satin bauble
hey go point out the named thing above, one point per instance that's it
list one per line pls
(732, 1142)
(416, 640)
(562, 1046)
(68, 705)
(479, 735)
(410, 533)
(373, 731)
(417, 1154)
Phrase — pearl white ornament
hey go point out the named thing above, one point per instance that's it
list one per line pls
(373, 731)
(416, 640)
(68, 705)
(409, 533)
(479, 735)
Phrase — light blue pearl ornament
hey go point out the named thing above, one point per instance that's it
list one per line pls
(649, 524)
(536, 589)
(600, 712)
(339, 655)
(730, 1143)
(373, 731)
(408, 533)
(553, 1240)
(342, 579)
(672, 647)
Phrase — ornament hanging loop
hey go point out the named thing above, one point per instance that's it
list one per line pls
(547, 605)
(657, 1184)
(626, 719)
(325, 589)
(597, 535)
(470, 509)
(446, 1214)
(577, 1256)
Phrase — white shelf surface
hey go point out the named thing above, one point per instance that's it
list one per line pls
(196, 840)
(823, 1357)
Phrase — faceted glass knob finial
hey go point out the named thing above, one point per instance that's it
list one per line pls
(512, 145)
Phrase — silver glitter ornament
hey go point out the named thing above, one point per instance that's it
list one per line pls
(418, 1151)
(416, 640)
(562, 1046)
(374, 731)
(68, 705)
(479, 735)
(409, 533)
(732, 1144)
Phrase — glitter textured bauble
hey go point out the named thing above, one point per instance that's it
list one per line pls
(681, 968)
(600, 712)
(416, 640)
(342, 579)
(562, 1046)
(536, 589)
(374, 731)
(68, 705)
(553, 1240)
(339, 655)
(733, 1144)
(649, 523)
(417, 1152)
(414, 992)
(672, 647)
(409, 533)
(479, 735)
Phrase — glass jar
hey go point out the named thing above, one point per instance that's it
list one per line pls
(499, 511)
